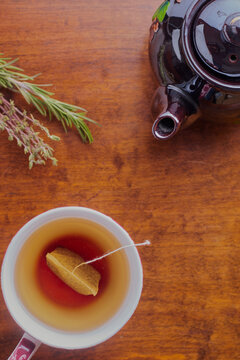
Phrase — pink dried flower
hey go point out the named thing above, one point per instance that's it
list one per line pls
(22, 128)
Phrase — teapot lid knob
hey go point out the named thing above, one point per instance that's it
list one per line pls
(231, 29)
(210, 39)
(215, 34)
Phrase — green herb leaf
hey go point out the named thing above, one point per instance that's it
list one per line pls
(161, 11)
(13, 78)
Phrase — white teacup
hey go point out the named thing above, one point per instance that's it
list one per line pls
(36, 332)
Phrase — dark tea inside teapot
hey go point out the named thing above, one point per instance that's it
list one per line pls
(195, 54)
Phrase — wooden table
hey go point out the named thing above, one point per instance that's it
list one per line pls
(183, 195)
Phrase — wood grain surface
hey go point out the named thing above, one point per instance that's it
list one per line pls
(183, 195)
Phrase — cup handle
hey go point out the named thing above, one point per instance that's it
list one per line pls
(25, 349)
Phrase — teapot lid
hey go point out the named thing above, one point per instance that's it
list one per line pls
(211, 41)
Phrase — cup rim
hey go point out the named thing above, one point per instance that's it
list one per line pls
(59, 338)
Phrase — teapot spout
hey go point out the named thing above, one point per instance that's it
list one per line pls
(169, 122)
(181, 109)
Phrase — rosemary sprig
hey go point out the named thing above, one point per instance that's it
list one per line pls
(13, 77)
(20, 127)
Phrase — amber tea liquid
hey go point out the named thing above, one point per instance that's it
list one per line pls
(52, 301)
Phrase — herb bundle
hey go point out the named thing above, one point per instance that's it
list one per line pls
(25, 128)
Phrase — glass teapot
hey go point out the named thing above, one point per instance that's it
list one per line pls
(195, 54)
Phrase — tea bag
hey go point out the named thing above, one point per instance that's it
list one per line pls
(84, 280)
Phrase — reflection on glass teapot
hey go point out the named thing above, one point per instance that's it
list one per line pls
(195, 54)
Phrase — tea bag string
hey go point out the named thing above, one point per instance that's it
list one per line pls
(146, 242)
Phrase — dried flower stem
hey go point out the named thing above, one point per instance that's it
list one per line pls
(20, 127)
